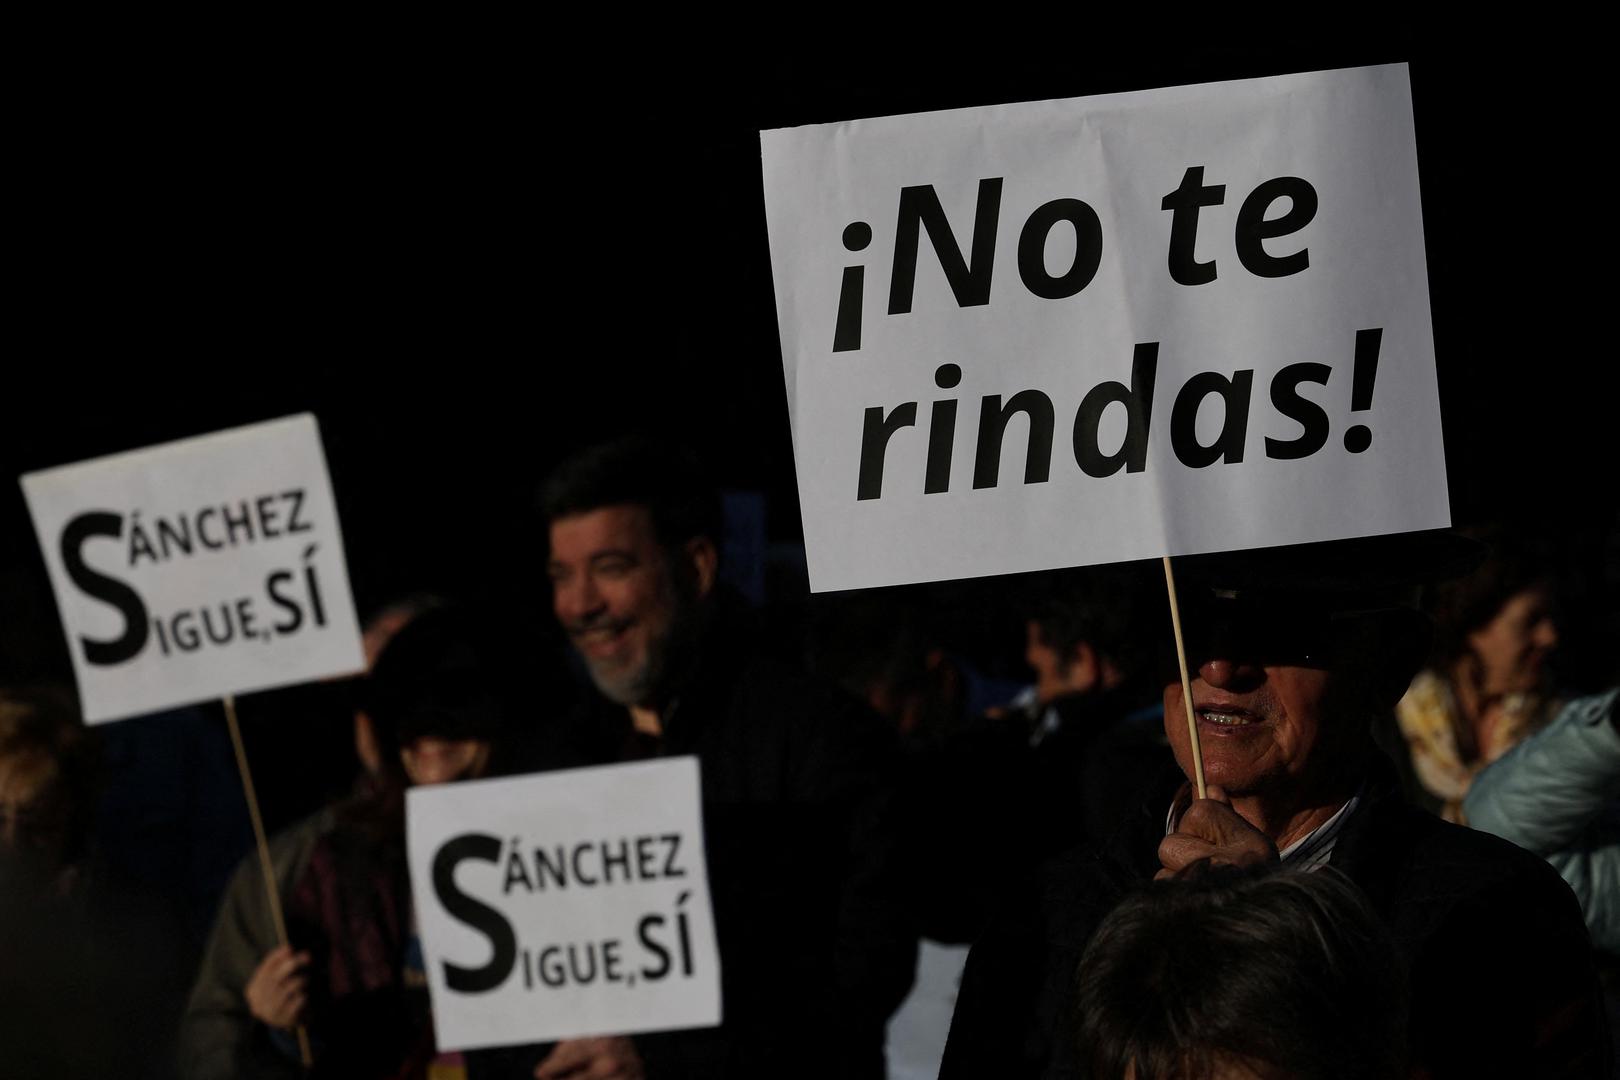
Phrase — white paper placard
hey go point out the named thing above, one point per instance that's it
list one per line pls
(564, 904)
(1209, 303)
(199, 568)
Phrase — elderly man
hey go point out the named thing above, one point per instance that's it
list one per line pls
(815, 946)
(1292, 652)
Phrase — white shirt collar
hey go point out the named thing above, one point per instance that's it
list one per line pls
(1308, 852)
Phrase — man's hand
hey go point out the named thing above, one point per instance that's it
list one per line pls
(591, 1059)
(1211, 829)
(277, 991)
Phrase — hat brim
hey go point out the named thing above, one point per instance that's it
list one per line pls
(1367, 573)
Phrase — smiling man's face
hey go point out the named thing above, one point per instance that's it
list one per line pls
(614, 591)
(1271, 718)
(1259, 727)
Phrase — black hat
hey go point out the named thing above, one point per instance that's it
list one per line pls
(1289, 603)
(433, 679)
(1361, 574)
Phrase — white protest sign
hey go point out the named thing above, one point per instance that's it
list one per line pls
(564, 904)
(1068, 332)
(198, 568)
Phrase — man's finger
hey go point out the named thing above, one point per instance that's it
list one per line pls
(611, 1066)
(1179, 850)
(295, 985)
(1214, 821)
(565, 1057)
(290, 1010)
(295, 961)
(283, 961)
(268, 962)
(291, 983)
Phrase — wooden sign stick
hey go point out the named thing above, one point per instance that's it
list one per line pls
(1186, 681)
(265, 864)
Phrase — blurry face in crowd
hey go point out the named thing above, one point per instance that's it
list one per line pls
(33, 814)
(1272, 716)
(1514, 645)
(434, 760)
(620, 596)
(1056, 675)
(1050, 671)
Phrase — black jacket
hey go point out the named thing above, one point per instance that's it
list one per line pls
(990, 804)
(816, 943)
(1500, 966)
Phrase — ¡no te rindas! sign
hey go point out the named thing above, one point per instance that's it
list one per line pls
(564, 904)
(1084, 331)
(199, 568)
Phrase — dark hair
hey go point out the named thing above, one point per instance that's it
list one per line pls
(665, 478)
(433, 678)
(1115, 609)
(1287, 973)
(45, 720)
(1513, 563)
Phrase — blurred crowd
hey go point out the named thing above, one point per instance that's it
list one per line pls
(1407, 861)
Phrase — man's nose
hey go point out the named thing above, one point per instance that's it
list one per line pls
(1225, 674)
(577, 598)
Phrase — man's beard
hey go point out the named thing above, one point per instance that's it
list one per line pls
(638, 684)
(649, 682)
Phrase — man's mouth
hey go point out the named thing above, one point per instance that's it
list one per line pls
(600, 637)
(1227, 717)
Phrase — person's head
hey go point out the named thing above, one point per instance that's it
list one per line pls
(1291, 652)
(634, 553)
(1229, 973)
(379, 630)
(47, 778)
(1090, 629)
(431, 700)
(889, 648)
(1496, 626)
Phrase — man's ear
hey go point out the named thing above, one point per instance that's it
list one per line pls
(704, 559)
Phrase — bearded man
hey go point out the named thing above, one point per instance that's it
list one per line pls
(815, 945)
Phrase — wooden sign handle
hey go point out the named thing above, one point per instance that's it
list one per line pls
(1186, 681)
(265, 864)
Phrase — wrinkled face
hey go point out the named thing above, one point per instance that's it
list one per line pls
(434, 760)
(1258, 727)
(1270, 718)
(1514, 645)
(614, 590)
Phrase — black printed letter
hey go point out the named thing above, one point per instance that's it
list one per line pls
(1310, 416)
(1253, 228)
(107, 590)
(969, 281)
(475, 913)
(1183, 204)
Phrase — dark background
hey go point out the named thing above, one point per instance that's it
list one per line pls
(469, 249)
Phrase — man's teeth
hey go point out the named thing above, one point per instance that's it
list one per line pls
(1225, 718)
